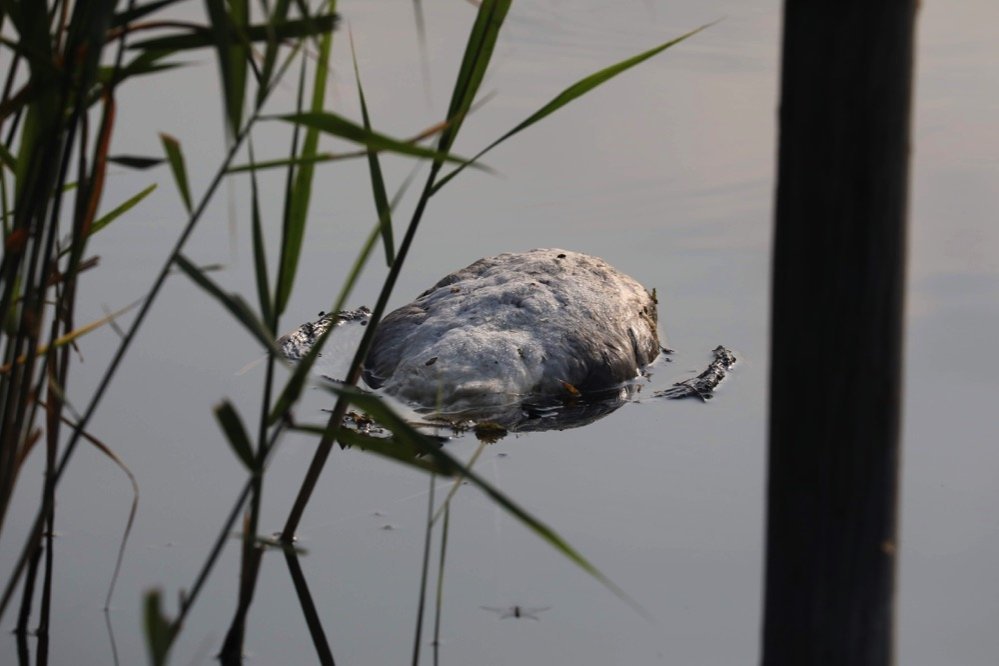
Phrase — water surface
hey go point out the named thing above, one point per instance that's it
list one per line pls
(667, 173)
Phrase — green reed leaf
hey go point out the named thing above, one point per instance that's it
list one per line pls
(301, 191)
(571, 93)
(338, 126)
(201, 37)
(236, 306)
(229, 21)
(147, 62)
(260, 254)
(382, 207)
(235, 433)
(388, 447)
(296, 383)
(474, 63)
(114, 214)
(176, 159)
(125, 17)
(159, 633)
(135, 161)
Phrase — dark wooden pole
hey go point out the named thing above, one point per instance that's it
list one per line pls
(836, 355)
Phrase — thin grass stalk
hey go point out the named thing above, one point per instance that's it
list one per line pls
(126, 342)
(32, 306)
(296, 200)
(188, 600)
(473, 64)
(340, 408)
(106, 450)
(39, 264)
(45, 608)
(23, 651)
(421, 40)
(439, 601)
(213, 554)
(63, 7)
(114, 644)
(63, 309)
(425, 567)
(53, 407)
(18, 399)
(232, 646)
(28, 594)
(36, 530)
(58, 361)
(446, 504)
(8, 83)
(312, 620)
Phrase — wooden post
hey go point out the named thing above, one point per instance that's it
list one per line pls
(836, 351)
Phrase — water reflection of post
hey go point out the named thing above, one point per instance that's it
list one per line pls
(836, 347)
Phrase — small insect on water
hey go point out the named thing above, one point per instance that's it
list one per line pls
(517, 611)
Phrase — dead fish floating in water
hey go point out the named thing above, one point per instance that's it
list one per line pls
(507, 337)
(536, 325)
(518, 325)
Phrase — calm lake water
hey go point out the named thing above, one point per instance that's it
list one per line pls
(667, 173)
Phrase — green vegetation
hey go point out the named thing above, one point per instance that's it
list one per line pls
(68, 62)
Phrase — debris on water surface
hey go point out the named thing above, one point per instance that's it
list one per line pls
(489, 432)
(296, 345)
(517, 612)
(703, 385)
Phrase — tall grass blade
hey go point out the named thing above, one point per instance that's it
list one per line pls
(235, 433)
(394, 448)
(159, 633)
(6, 158)
(301, 193)
(477, 54)
(278, 15)
(135, 161)
(323, 652)
(375, 169)
(147, 62)
(229, 21)
(106, 450)
(236, 306)
(439, 596)
(176, 159)
(71, 336)
(421, 39)
(296, 383)
(457, 482)
(134, 13)
(339, 126)
(114, 214)
(260, 253)
(474, 63)
(424, 570)
(571, 93)
(201, 37)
